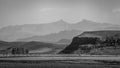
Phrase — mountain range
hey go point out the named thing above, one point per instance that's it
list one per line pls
(54, 37)
(52, 32)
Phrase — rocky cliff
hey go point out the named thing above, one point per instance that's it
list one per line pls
(94, 42)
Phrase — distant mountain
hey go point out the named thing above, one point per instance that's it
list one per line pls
(87, 25)
(64, 41)
(113, 28)
(55, 37)
(12, 33)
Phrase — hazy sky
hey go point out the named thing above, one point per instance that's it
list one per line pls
(45, 11)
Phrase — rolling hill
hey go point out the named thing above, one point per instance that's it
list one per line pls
(34, 47)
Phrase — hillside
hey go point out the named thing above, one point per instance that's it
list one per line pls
(34, 47)
(95, 42)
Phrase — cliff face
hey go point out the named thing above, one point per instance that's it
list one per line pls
(90, 42)
(79, 43)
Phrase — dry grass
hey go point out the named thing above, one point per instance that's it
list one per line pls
(55, 65)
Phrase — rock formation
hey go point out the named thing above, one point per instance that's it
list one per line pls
(92, 41)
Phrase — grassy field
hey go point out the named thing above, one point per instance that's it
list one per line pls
(55, 65)
(61, 62)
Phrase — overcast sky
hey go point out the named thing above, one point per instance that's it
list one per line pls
(14, 12)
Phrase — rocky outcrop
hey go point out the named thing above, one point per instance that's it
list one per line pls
(78, 42)
(92, 40)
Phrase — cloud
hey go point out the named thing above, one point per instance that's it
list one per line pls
(46, 9)
(116, 11)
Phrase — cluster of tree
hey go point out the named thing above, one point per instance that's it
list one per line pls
(19, 51)
(88, 40)
(112, 41)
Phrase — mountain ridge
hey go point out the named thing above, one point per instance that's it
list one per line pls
(54, 37)
(12, 33)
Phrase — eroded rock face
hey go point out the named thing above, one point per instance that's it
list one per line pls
(79, 43)
(89, 41)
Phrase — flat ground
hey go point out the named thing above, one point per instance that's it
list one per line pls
(61, 62)
(110, 58)
(55, 65)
